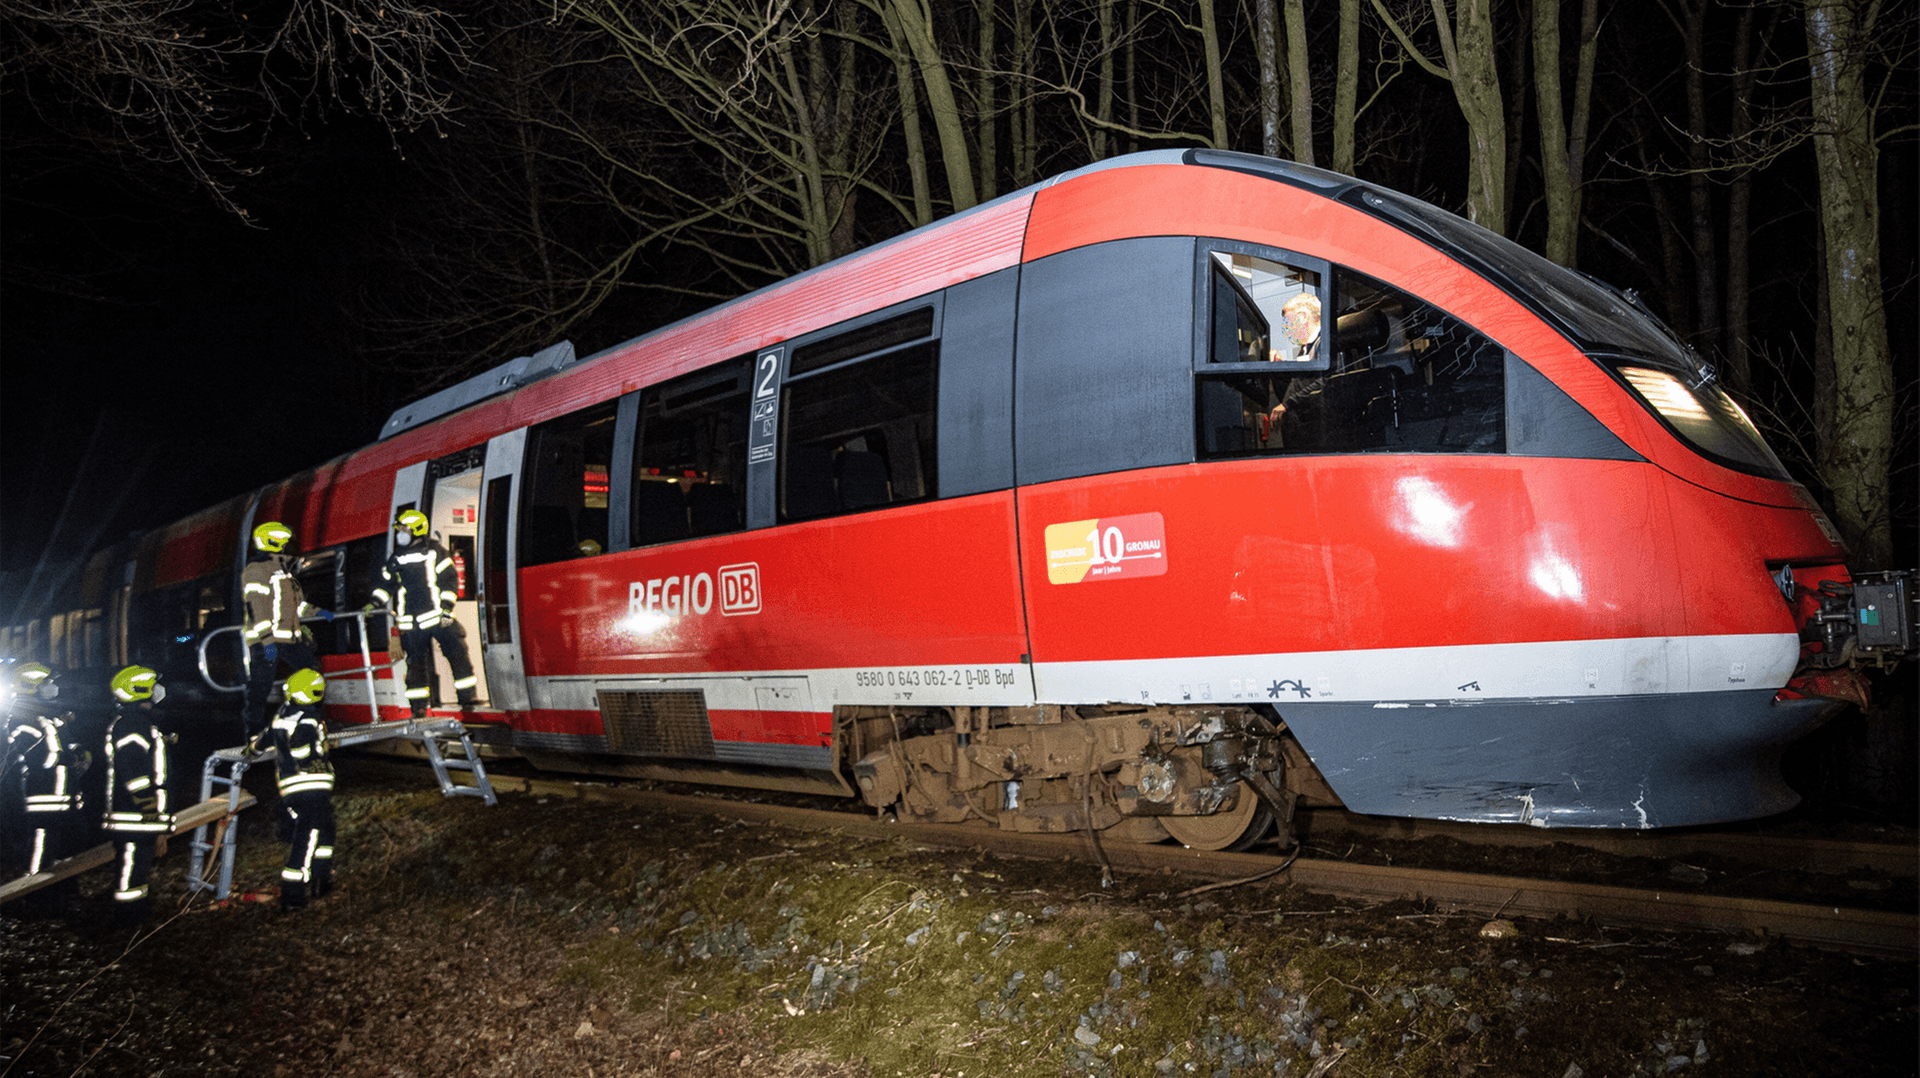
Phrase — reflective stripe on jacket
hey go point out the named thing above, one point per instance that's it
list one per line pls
(274, 605)
(299, 741)
(137, 775)
(419, 585)
(49, 766)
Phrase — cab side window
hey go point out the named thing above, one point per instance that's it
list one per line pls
(565, 512)
(690, 460)
(1404, 376)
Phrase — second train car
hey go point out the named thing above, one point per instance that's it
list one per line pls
(1150, 499)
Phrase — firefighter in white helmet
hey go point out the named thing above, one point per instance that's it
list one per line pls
(418, 583)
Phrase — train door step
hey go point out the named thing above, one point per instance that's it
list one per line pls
(226, 767)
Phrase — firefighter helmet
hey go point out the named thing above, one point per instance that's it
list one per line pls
(272, 537)
(135, 683)
(306, 687)
(28, 677)
(412, 521)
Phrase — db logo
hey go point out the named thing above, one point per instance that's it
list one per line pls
(740, 589)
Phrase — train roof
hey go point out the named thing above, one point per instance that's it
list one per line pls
(1585, 309)
(559, 357)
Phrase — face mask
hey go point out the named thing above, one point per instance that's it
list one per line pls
(159, 693)
(49, 691)
(402, 538)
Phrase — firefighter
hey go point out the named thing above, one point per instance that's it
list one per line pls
(298, 737)
(43, 798)
(418, 584)
(137, 812)
(272, 628)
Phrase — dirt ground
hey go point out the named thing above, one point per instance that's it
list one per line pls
(542, 937)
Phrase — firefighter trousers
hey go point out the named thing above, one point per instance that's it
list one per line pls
(418, 644)
(309, 869)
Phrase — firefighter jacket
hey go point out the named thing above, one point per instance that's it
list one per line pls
(137, 774)
(419, 584)
(274, 603)
(46, 763)
(299, 741)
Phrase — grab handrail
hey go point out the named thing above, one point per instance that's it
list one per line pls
(367, 666)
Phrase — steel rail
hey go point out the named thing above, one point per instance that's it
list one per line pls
(1780, 851)
(1879, 933)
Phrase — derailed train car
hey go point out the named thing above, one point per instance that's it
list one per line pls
(1149, 500)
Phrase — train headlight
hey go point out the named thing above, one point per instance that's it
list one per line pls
(1702, 414)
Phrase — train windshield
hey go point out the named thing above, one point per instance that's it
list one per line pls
(1614, 327)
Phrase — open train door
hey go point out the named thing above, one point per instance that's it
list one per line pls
(499, 509)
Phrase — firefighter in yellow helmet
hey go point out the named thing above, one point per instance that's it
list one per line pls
(137, 810)
(41, 793)
(419, 584)
(298, 738)
(270, 623)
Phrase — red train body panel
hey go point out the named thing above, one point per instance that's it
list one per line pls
(1486, 545)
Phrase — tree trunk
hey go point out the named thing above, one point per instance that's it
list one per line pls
(1856, 468)
(1555, 166)
(1025, 151)
(1346, 86)
(1301, 78)
(1132, 88)
(1516, 105)
(1476, 85)
(1266, 25)
(1706, 263)
(1468, 64)
(1216, 92)
(916, 25)
(910, 122)
(1103, 103)
(1738, 358)
(1582, 110)
(986, 121)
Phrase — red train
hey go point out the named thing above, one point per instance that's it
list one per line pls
(1148, 499)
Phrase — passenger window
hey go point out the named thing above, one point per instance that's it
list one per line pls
(859, 434)
(565, 512)
(690, 461)
(1404, 376)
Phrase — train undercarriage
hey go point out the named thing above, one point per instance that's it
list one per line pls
(1209, 777)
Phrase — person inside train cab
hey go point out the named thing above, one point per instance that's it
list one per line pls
(137, 813)
(418, 584)
(298, 737)
(41, 799)
(272, 627)
(1300, 317)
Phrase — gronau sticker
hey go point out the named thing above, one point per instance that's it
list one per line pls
(1106, 548)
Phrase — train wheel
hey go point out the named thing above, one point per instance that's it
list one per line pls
(1235, 829)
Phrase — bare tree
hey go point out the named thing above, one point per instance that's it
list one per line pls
(1467, 50)
(1842, 42)
(195, 86)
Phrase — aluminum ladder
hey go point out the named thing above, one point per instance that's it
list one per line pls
(431, 734)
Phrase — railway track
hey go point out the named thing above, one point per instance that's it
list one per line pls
(1893, 934)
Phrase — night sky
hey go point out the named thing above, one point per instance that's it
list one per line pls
(162, 354)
